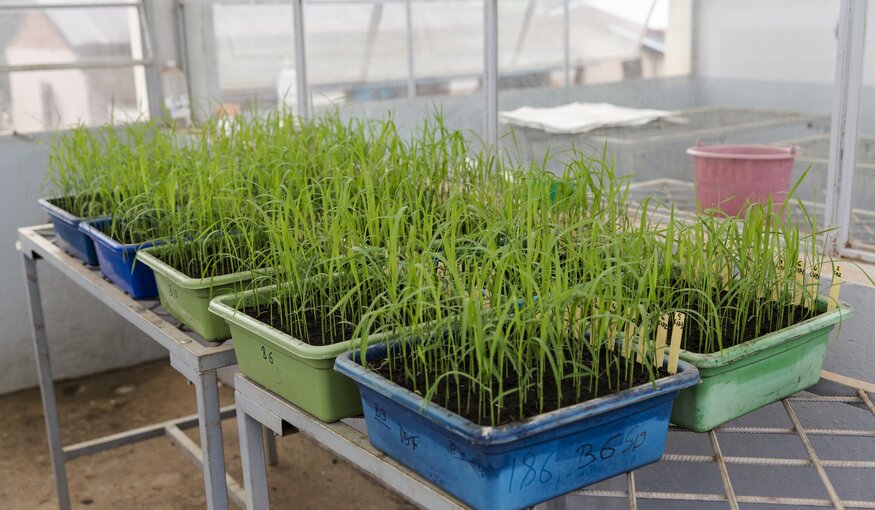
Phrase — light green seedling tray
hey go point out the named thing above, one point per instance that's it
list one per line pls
(748, 376)
(188, 299)
(299, 372)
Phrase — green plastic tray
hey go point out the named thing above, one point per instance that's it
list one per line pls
(188, 299)
(299, 372)
(748, 376)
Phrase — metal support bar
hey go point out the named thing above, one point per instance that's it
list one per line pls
(194, 453)
(373, 29)
(252, 458)
(46, 382)
(566, 42)
(490, 72)
(154, 87)
(270, 447)
(830, 490)
(63, 5)
(845, 121)
(302, 92)
(865, 398)
(207, 390)
(524, 31)
(136, 435)
(411, 71)
(630, 488)
(724, 473)
(83, 64)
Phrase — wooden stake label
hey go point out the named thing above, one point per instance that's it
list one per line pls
(813, 286)
(661, 334)
(642, 342)
(779, 278)
(674, 350)
(800, 282)
(834, 288)
(612, 329)
(627, 339)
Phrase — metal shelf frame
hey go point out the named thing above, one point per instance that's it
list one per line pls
(190, 355)
(259, 408)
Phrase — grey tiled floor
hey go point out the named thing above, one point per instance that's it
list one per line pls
(767, 463)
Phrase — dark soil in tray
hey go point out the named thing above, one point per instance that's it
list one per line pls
(693, 340)
(450, 392)
(206, 262)
(77, 206)
(272, 314)
(141, 234)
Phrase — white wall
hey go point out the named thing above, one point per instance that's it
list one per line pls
(84, 336)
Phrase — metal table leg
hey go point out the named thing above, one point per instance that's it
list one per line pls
(207, 389)
(270, 445)
(47, 389)
(252, 457)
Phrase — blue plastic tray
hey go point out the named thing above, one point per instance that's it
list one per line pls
(118, 261)
(70, 238)
(523, 463)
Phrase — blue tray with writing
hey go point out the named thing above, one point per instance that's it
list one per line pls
(70, 238)
(118, 261)
(522, 463)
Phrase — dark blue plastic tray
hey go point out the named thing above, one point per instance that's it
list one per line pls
(118, 261)
(70, 238)
(523, 463)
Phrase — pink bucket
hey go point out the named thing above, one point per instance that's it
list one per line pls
(730, 177)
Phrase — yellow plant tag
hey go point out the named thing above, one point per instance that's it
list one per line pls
(661, 334)
(627, 339)
(834, 288)
(800, 282)
(612, 329)
(642, 342)
(813, 286)
(779, 278)
(674, 350)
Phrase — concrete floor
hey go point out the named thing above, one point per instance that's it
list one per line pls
(153, 473)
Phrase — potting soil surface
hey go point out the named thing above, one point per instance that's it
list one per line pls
(315, 334)
(693, 340)
(454, 396)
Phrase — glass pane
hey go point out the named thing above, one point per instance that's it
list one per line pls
(61, 36)
(720, 73)
(448, 45)
(863, 201)
(356, 51)
(45, 100)
(255, 54)
(531, 43)
(357, 57)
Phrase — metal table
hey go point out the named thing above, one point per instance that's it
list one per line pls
(257, 406)
(190, 355)
(694, 472)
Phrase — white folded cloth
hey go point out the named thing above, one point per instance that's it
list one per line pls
(577, 118)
